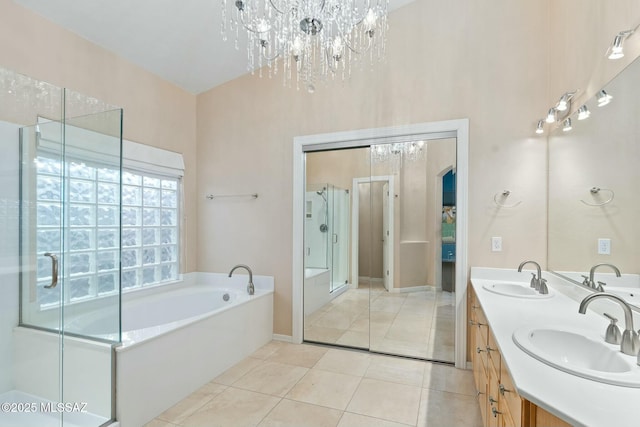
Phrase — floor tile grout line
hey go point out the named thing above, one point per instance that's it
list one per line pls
(270, 410)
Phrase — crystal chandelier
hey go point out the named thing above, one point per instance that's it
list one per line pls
(319, 39)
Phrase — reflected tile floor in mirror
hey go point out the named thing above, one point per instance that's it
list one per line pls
(416, 324)
(307, 385)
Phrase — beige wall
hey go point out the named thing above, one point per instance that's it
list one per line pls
(445, 60)
(155, 112)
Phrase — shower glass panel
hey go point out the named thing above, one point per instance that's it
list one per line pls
(339, 237)
(72, 226)
(70, 264)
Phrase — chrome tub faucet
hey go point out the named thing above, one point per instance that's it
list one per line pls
(250, 288)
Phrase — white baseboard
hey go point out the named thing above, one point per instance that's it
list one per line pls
(283, 338)
(413, 288)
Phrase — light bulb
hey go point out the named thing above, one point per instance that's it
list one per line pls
(583, 113)
(604, 98)
(616, 49)
(540, 127)
(566, 125)
(562, 104)
(551, 116)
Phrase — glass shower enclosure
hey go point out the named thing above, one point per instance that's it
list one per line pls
(327, 232)
(60, 261)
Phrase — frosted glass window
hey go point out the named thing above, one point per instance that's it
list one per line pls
(150, 229)
(95, 225)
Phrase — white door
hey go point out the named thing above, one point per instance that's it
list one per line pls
(385, 235)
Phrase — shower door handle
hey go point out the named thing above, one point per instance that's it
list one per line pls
(54, 270)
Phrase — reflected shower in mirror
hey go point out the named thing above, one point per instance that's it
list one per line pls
(336, 307)
(594, 203)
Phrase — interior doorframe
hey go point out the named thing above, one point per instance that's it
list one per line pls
(355, 221)
(459, 129)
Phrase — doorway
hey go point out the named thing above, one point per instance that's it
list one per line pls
(405, 252)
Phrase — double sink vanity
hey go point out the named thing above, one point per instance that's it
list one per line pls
(539, 361)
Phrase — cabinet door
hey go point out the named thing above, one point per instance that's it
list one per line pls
(480, 377)
(493, 394)
(506, 418)
(509, 395)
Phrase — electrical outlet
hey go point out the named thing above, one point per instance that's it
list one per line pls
(496, 244)
(604, 246)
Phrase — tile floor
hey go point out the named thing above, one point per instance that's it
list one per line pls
(417, 324)
(307, 386)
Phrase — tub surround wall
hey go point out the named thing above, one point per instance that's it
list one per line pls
(172, 366)
(317, 289)
(86, 365)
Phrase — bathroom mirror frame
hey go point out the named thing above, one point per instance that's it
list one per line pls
(458, 129)
(597, 154)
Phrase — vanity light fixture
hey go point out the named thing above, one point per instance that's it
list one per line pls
(583, 113)
(540, 127)
(616, 50)
(603, 98)
(551, 116)
(565, 101)
(566, 125)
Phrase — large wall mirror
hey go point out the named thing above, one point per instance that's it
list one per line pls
(379, 247)
(594, 201)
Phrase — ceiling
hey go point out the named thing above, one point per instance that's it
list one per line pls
(178, 40)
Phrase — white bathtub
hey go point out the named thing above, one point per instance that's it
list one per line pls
(174, 341)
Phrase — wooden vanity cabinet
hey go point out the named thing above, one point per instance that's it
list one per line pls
(500, 404)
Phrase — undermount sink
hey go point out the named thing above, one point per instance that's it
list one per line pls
(520, 290)
(575, 353)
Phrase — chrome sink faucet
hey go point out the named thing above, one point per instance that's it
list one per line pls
(250, 288)
(591, 281)
(630, 343)
(537, 283)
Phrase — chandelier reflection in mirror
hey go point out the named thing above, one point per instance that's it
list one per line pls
(319, 39)
(397, 153)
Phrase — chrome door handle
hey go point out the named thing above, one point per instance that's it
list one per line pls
(54, 270)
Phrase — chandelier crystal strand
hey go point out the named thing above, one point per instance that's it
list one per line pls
(320, 39)
(223, 21)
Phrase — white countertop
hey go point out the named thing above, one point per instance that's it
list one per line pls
(578, 401)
